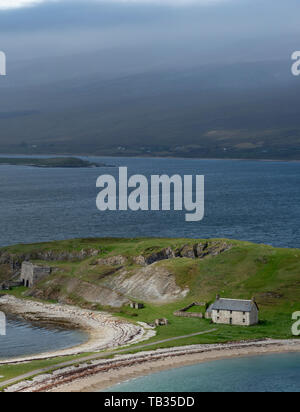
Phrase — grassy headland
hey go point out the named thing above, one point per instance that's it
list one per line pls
(269, 274)
(66, 162)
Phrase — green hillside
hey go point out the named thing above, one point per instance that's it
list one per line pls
(233, 269)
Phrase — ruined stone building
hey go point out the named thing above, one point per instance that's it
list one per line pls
(233, 312)
(32, 274)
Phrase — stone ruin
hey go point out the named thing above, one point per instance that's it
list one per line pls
(185, 314)
(135, 305)
(161, 322)
(32, 274)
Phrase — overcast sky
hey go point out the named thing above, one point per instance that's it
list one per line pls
(149, 34)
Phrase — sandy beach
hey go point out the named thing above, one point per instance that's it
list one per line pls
(104, 330)
(102, 374)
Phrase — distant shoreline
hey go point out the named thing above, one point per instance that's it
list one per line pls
(80, 155)
(49, 162)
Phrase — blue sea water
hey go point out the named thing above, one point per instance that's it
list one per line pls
(25, 338)
(268, 373)
(248, 200)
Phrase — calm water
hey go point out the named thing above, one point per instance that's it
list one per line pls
(247, 200)
(23, 338)
(272, 373)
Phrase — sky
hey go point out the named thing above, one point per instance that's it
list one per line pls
(13, 4)
(123, 36)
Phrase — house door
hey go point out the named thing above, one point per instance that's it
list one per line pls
(230, 321)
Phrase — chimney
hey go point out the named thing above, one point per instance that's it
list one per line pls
(218, 297)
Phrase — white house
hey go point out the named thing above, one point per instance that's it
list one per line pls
(233, 312)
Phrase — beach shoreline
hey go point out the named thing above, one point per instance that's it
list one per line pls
(104, 331)
(100, 375)
(105, 380)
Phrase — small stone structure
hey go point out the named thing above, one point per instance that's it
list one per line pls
(233, 312)
(185, 314)
(5, 286)
(161, 322)
(31, 274)
(9, 285)
(135, 305)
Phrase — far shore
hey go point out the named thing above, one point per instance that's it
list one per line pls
(151, 156)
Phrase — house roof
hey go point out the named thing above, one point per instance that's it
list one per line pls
(234, 305)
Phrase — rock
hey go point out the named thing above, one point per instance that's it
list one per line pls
(187, 252)
(214, 248)
(139, 260)
(201, 250)
(112, 261)
(164, 254)
(152, 283)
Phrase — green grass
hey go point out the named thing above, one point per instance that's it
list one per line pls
(8, 372)
(247, 270)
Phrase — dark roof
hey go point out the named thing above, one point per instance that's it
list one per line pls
(234, 305)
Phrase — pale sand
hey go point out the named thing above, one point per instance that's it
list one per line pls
(105, 380)
(100, 375)
(104, 330)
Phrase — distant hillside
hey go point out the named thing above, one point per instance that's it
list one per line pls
(166, 275)
(235, 111)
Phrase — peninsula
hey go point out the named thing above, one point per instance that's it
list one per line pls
(149, 295)
(53, 162)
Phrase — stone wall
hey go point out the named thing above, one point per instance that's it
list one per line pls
(185, 314)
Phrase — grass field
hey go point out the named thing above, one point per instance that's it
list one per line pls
(269, 274)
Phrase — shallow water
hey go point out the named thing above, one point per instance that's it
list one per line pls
(247, 200)
(25, 338)
(268, 373)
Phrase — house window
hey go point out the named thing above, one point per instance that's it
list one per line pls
(231, 312)
(244, 320)
(244, 313)
(218, 311)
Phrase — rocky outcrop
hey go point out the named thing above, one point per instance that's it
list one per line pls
(163, 254)
(75, 289)
(139, 260)
(196, 251)
(150, 284)
(16, 260)
(112, 261)
(188, 251)
(11, 263)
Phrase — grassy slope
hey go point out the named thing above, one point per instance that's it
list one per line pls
(247, 270)
(269, 274)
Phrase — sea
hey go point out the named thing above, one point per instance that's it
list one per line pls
(254, 201)
(267, 373)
